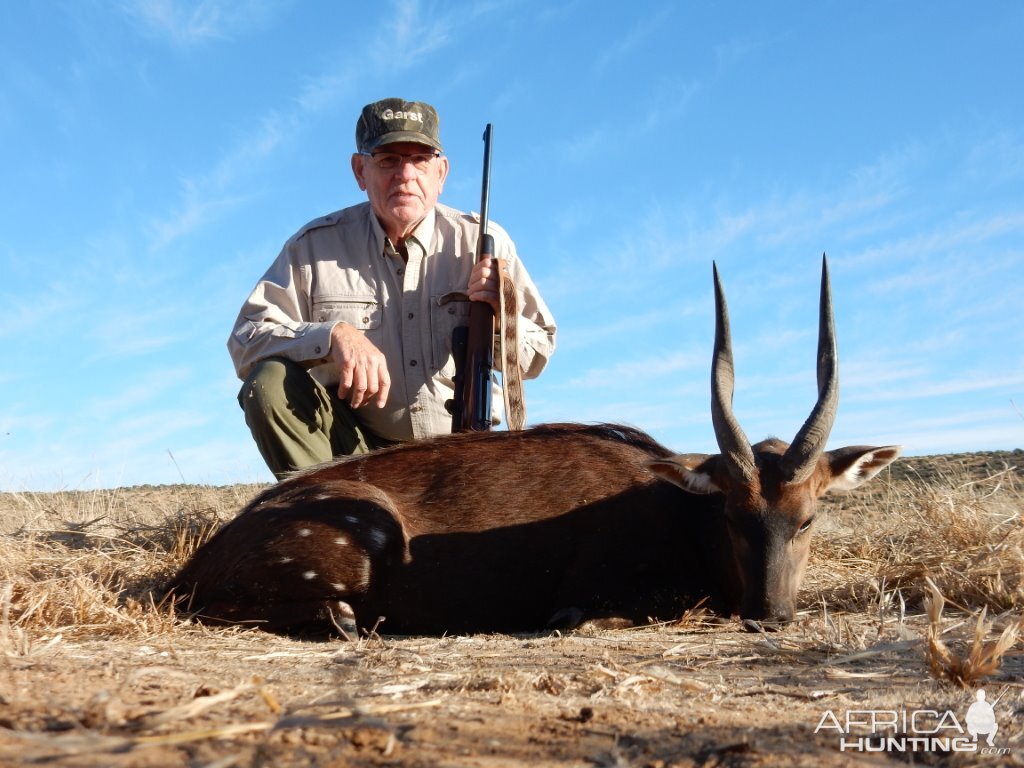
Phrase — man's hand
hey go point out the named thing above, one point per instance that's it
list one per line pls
(484, 283)
(363, 372)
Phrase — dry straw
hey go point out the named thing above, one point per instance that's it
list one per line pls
(982, 659)
(90, 564)
(958, 526)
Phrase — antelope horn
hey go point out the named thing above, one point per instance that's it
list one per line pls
(800, 458)
(732, 442)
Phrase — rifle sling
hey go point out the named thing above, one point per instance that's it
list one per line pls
(512, 377)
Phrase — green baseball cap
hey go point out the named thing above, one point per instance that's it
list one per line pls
(392, 120)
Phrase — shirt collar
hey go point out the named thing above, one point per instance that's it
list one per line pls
(424, 231)
(422, 235)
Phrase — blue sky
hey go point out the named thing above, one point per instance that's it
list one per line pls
(156, 154)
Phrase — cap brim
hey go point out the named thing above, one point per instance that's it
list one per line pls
(413, 137)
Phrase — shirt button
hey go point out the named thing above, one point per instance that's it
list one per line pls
(411, 315)
(317, 350)
(412, 363)
(366, 321)
(400, 272)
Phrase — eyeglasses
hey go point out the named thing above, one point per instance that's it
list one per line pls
(390, 161)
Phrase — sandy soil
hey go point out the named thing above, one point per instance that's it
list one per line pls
(663, 696)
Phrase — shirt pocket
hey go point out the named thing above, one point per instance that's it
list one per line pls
(362, 312)
(448, 311)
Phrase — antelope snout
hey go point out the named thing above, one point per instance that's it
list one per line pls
(768, 615)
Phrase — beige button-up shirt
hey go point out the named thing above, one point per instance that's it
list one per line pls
(341, 268)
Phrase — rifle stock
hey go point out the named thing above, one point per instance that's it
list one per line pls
(471, 409)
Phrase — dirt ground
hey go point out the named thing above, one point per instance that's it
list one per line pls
(663, 696)
(694, 693)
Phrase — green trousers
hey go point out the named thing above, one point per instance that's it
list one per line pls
(295, 421)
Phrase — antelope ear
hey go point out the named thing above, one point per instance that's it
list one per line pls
(693, 472)
(855, 465)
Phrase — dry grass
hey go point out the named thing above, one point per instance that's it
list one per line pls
(959, 526)
(89, 564)
(917, 579)
(982, 659)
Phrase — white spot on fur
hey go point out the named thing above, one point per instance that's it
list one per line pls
(339, 587)
(309, 575)
(285, 560)
(341, 541)
(351, 519)
(364, 579)
(305, 532)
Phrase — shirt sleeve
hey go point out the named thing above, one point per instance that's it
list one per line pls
(276, 319)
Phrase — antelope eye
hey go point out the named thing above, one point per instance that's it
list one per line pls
(806, 526)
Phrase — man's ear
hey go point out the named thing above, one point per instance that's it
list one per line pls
(358, 169)
(443, 169)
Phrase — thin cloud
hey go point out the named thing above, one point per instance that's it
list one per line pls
(941, 432)
(194, 23)
(147, 390)
(967, 232)
(413, 34)
(207, 196)
(590, 334)
(181, 25)
(327, 89)
(959, 385)
(864, 377)
(999, 157)
(24, 313)
(107, 338)
(632, 39)
(198, 207)
(635, 373)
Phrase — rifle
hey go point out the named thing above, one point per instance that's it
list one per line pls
(473, 345)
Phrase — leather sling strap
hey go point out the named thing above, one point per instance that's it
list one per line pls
(508, 336)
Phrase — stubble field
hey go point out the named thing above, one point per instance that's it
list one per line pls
(912, 603)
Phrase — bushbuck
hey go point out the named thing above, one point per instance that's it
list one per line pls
(540, 529)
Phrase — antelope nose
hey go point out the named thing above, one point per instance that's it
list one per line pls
(770, 618)
(764, 625)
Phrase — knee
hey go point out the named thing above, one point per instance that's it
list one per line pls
(264, 389)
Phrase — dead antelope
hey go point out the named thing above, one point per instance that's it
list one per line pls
(545, 528)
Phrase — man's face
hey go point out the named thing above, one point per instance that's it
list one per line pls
(400, 196)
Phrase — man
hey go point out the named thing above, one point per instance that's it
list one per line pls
(344, 345)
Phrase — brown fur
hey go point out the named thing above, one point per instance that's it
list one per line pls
(505, 531)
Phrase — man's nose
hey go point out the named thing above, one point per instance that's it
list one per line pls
(406, 170)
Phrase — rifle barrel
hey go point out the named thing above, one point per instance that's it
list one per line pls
(485, 193)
